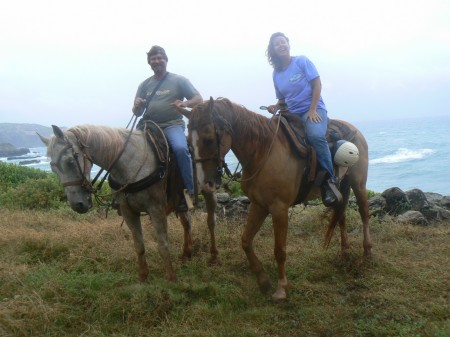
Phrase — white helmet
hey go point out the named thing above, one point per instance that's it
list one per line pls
(346, 153)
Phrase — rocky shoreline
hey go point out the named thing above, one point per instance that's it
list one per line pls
(413, 207)
(9, 150)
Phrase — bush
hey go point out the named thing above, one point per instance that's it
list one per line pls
(13, 175)
(28, 188)
(232, 187)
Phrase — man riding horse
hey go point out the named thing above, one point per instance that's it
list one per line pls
(156, 100)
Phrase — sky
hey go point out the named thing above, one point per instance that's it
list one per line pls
(80, 62)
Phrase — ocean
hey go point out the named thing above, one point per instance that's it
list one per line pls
(408, 153)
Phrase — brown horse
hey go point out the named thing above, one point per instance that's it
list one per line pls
(272, 176)
(140, 183)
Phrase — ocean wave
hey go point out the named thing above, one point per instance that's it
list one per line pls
(402, 155)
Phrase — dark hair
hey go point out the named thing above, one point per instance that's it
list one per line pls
(274, 61)
(154, 50)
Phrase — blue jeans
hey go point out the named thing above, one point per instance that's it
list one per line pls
(316, 133)
(178, 143)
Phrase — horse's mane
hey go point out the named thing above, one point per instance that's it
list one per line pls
(100, 137)
(250, 123)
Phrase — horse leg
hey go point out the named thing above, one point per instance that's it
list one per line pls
(345, 191)
(280, 224)
(159, 221)
(339, 217)
(363, 207)
(255, 220)
(185, 219)
(133, 222)
(211, 203)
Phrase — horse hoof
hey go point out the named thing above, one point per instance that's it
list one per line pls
(368, 254)
(264, 284)
(184, 258)
(214, 261)
(171, 277)
(143, 278)
(279, 295)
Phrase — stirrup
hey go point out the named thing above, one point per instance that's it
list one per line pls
(335, 191)
(187, 197)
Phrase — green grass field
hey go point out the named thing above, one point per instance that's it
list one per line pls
(63, 274)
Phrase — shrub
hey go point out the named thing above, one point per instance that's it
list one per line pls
(12, 175)
(34, 194)
(29, 188)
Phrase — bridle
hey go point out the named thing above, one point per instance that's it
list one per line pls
(83, 181)
(218, 157)
(221, 166)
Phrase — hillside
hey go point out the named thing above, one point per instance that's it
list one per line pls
(23, 135)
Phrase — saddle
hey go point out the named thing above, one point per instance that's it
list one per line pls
(294, 128)
(175, 186)
(167, 166)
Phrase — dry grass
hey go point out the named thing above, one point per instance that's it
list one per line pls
(63, 274)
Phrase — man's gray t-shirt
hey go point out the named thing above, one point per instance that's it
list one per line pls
(160, 109)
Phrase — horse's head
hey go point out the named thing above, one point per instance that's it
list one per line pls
(72, 166)
(210, 136)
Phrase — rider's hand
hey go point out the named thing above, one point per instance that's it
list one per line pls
(313, 116)
(138, 106)
(272, 108)
(180, 104)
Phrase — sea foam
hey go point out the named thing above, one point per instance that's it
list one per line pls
(402, 155)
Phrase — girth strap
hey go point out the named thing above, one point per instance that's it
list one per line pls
(139, 185)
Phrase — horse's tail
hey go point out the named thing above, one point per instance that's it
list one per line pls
(338, 211)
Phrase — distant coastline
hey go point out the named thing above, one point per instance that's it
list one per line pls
(11, 151)
(23, 135)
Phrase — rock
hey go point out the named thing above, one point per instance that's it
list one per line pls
(412, 218)
(223, 198)
(396, 201)
(445, 202)
(377, 206)
(433, 198)
(417, 199)
(26, 162)
(436, 213)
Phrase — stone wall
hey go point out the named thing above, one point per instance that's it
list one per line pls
(413, 206)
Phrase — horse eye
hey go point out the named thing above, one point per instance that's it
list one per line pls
(71, 162)
(208, 142)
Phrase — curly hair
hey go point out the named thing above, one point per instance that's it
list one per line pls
(274, 61)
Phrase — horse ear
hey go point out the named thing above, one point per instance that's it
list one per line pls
(211, 104)
(45, 140)
(58, 132)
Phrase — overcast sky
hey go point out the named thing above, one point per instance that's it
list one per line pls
(76, 62)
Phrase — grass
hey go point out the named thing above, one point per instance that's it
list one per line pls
(63, 274)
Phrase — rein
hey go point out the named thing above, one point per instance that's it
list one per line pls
(223, 165)
(99, 186)
(267, 155)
